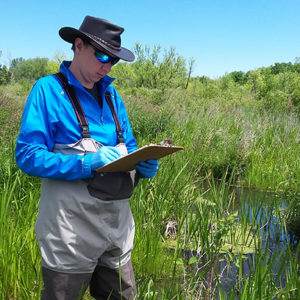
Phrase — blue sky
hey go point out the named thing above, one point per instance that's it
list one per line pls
(221, 35)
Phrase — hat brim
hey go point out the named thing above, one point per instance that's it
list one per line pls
(69, 34)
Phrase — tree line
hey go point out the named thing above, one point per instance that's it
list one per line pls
(160, 69)
(152, 69)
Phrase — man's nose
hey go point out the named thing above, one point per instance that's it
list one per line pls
(106, 67)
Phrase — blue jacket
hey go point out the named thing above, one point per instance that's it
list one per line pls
(49, 118)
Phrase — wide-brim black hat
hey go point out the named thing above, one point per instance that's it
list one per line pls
(101, 34)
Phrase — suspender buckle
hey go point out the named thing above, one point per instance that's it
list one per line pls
(85, 131)
(120, 137)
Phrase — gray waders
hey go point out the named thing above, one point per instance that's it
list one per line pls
(84, 240)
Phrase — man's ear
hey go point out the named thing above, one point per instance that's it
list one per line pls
(78, 44)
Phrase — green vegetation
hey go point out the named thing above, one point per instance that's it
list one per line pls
(242, 129)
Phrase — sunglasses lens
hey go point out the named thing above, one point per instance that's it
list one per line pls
(104, 58)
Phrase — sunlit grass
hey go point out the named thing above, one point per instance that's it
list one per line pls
(217, 233)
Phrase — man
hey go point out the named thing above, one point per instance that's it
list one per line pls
(74, 123)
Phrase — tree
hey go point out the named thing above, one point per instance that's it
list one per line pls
(256, 81)
(191, 68)
(153, 70)
(52, 67)
(238, 77)
(5, 75)
(124, 75)
(59, 57)
(15, 62)
(30, 69)
(297, 64)
(281, 68)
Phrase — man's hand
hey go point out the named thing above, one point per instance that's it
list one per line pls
(148, 168)
(103, 156)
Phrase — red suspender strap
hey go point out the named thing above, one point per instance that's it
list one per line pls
(76, 105)
(115, 116)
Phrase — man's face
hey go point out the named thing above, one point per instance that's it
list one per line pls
(88, 67)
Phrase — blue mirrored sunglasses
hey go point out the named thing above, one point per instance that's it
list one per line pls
(104, 58)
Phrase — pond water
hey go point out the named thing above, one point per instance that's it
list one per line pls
(276, 247)
(261, 208)
(269, 255)
(274, 235)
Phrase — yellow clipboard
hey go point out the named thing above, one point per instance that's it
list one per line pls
(128, 162)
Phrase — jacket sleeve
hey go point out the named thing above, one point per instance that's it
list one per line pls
(35, 142)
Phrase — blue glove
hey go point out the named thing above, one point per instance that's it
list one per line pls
(103, 156)
(148, 168)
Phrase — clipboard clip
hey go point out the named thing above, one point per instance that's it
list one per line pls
(167, 142)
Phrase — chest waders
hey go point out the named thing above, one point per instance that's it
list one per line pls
(76, 229)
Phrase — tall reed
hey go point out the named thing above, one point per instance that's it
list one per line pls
(19, 254)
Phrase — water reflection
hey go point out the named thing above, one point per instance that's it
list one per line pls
(274, 246)
(266, 207)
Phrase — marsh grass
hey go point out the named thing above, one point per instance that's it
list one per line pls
(223, 248)
(262, 148)
(20, 256)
